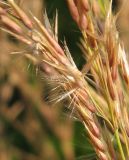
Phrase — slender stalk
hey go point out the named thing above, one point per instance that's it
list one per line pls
(119, 145)
(126, 143)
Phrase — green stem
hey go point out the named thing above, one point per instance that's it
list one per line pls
(119, 145)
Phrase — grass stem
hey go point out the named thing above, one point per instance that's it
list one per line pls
(119, 145)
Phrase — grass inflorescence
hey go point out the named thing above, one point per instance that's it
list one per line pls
(100, 101)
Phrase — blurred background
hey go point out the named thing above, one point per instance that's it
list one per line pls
(31, 128)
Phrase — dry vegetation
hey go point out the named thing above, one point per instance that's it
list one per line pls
(97, 95)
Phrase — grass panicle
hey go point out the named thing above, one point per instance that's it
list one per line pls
(101, 102)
